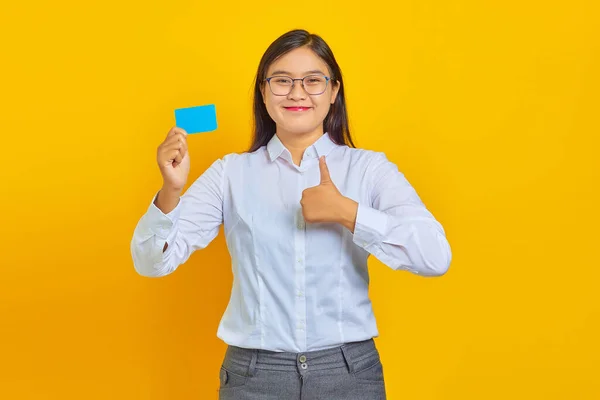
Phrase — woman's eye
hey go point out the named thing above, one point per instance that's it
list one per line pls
(313, 80)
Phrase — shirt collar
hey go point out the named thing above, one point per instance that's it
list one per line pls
(321, 147)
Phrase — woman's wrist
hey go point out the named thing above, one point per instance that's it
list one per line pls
(347, 213)
(167, 199)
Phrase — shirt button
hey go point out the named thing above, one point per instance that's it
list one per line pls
(300, 294)
(299, 261)
(302, 358)
(300, 224)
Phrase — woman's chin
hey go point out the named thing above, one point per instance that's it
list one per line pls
(298, 129)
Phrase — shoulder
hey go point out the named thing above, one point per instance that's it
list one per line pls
(240, 160)
(246, 156)
(369, 159)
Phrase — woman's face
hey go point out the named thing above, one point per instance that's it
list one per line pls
(298, 112)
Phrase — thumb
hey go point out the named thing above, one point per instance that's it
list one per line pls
(325, 177)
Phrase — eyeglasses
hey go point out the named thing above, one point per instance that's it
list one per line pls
(312, 84)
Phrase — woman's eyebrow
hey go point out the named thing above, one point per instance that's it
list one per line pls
(281, 72)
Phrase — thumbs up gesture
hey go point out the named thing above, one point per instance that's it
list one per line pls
(325, 203)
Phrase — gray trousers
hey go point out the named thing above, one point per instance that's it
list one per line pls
(350, 372)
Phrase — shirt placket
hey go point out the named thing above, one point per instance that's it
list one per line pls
(300, 268)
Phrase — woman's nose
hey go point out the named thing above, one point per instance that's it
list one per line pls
(297, 91)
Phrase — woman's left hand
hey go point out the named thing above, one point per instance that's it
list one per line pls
(325, 203)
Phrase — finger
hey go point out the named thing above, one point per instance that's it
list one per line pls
(168, 153)
(173, 145)
(325, 177)
(176, 141)
(178, 158)
(172, 131)
(175, 130)
(182, 144)
(173, 156)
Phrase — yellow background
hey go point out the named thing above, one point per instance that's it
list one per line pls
(487, 108)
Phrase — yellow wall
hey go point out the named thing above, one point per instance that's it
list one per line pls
(487, 109)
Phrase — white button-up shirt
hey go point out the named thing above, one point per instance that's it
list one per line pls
(297, 286)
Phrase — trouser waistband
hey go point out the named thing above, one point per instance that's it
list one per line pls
(245, 361)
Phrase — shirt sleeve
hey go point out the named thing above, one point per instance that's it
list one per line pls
(190, 226)
(396, 227)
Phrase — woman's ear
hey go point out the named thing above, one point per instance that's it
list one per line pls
(334, 92)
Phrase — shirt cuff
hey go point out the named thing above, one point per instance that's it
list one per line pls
(371, 226)
(159, 223)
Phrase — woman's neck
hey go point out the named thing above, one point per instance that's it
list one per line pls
(297, 143)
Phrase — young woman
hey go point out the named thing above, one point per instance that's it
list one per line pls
(302, 211)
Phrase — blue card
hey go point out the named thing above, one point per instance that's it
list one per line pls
(196, 119)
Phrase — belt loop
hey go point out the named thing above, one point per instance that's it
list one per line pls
(347, 359)
(252, 366)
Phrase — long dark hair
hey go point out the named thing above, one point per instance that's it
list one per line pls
(336, 121)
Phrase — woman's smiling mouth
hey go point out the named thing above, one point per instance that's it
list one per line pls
(298, 109)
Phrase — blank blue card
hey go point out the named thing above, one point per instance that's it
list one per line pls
(196, 119)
